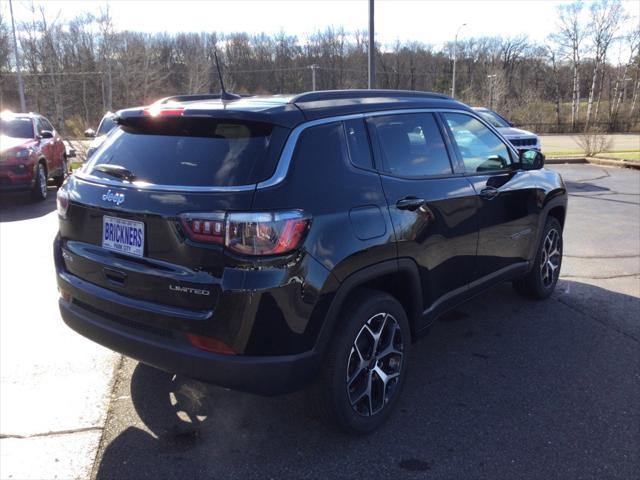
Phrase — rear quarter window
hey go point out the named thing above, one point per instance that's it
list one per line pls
(192, 152)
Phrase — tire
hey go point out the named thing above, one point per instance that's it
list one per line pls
(371, 319)
(39, 190)
(541, 281)
(59, 180)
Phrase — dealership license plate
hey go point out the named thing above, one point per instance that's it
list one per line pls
(124, 236)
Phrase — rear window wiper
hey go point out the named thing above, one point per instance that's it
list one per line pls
(116, 171)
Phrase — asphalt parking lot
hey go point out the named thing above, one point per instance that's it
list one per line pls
(501, 388)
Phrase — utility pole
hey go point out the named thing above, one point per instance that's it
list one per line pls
(313, 76)
(491, 77)
(23, 104)
(455, 58)
(372, 49)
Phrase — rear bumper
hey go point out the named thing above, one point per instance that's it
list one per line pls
(268, 375)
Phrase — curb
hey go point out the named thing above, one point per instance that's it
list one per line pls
(559, 160)
(608, 162)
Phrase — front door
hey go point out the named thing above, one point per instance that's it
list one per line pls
(507, 198)
(432, 209)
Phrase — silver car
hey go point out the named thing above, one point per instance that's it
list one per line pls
(107, 124)
(521, 139)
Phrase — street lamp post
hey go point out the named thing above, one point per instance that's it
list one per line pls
(313, 76)
(455, 57)
(372, 48)
(491, 77)
(23, 105)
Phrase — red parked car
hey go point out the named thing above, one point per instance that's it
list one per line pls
(31, 152)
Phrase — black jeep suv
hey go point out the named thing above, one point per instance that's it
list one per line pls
(266, 243)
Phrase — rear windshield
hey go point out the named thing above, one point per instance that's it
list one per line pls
(191, 152)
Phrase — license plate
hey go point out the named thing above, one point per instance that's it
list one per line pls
(124, 236)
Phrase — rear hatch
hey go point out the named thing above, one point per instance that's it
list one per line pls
(124, 227)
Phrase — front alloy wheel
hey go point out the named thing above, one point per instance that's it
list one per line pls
(39, 191)
(550, 258)
(541, 280)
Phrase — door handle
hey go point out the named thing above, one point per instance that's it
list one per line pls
(489, 193)
(410, 203)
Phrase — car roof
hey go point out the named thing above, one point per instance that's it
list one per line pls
(291, 110)
(31, 115)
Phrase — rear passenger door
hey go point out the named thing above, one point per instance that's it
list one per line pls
(507, 196)
(433, 209)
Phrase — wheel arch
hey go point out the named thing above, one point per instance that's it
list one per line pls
(559, 213)
(398, 277)
(43, 161)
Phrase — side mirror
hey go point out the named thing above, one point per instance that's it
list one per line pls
(531, 160)
(89, 133)
(44, 134)
(511, 124)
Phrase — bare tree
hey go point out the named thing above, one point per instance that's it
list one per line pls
(569, 37)
(76, 69)
(606, 18)
(633, 43)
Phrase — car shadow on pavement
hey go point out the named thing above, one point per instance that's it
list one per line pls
(502, 388)
(19, 206)
(585, 187)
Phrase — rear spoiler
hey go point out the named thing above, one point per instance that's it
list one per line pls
(284, 115)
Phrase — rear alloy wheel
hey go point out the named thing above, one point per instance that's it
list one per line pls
(541, 281)
(367, 362)
(374, 364)
(39, 191)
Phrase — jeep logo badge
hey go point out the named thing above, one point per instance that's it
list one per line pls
(116, 198)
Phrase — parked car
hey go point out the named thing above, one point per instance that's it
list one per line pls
(107, 124)
(275, 242)
(31, 152)
(521, 139)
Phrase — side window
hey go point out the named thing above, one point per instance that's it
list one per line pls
(39, 125)
(358, 143)
(411, 145)
(322, 144)
(46, 125)
(480, 148)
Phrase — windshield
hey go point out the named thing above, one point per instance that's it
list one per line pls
(16, 127)
(189, 152)
(493, 119)
(106, 125)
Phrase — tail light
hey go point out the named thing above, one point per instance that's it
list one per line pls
(258, 233)
(204, 227)
(62, 202)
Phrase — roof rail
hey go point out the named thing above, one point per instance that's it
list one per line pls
(346, 94)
